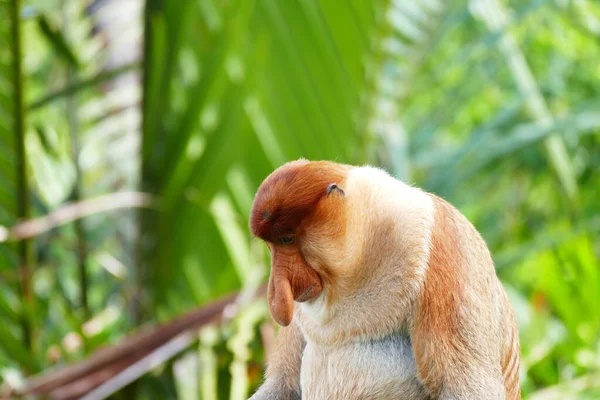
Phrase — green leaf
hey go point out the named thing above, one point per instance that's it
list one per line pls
(58, 41)
(84, 84)
(13, 346)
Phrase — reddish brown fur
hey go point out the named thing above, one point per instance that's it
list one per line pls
(511, 359)
(290, 195)
(447, 344)
(437, 325)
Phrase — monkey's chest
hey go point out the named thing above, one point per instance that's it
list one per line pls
(381, 370)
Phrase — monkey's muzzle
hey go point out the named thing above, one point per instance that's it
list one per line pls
(291, 280)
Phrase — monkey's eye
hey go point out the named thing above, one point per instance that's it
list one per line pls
(287, 239)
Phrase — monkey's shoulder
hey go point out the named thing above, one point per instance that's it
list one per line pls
(373, 369)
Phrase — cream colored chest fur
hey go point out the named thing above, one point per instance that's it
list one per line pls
(377, 370)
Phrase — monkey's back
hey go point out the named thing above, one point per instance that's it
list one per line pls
(379, 369)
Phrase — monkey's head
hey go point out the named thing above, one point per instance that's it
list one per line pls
(299, 212)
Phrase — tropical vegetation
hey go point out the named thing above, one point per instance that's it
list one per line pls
(133, 135)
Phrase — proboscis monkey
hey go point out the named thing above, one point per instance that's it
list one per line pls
(383, 291)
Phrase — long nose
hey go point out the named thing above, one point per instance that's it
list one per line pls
(291, 280)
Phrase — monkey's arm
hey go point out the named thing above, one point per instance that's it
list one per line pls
(456, 335)
(455, 352)
(282, 378)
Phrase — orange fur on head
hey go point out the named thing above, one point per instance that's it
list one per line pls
(285, 199)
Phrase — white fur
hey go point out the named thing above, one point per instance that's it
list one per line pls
(353, 344)
(317, 309)
(408, 205)
(382, 369)
(387, 201)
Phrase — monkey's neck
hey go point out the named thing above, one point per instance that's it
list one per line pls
(377, 284)
(383, 306)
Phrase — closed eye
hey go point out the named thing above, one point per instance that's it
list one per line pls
(287, 239)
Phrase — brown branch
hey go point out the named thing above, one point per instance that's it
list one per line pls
(136, 344)
(142, 366)
(78, 388)
(80, 378)
(73, 211)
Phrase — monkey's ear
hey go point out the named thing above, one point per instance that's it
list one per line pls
(333, 187)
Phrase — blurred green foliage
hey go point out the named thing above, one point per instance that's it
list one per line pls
(493, 105)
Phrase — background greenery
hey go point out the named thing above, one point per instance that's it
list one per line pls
(493, 105)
